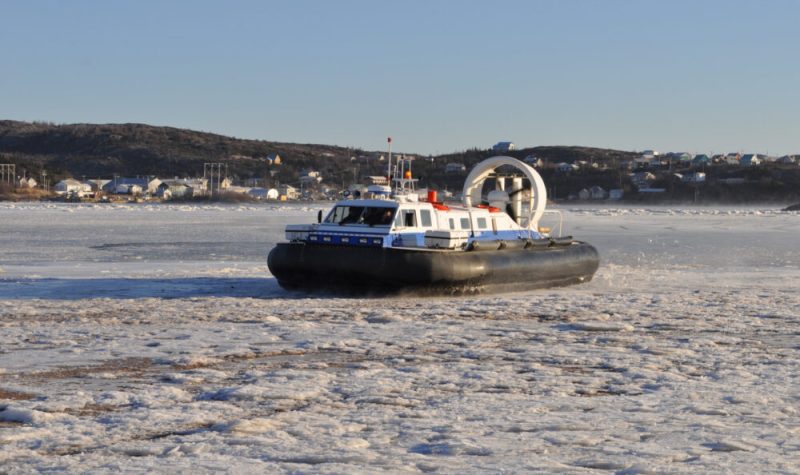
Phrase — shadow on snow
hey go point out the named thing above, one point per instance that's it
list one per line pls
(116, 288)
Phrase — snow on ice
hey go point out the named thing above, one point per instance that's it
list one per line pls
(153, 338)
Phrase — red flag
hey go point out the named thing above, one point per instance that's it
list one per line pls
(389, 140)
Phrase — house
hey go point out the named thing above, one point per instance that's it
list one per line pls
(288, 192)
(71, 186)
(696, 177)
(264, 193)
(174, 189)
(274, 159)
(647, 161)
(534, 161)
(97, 184)
(564, 167)
(260, 193)
(615, 194)
(455, 168)
(27, 183)
(701, 160)
(732, 158)
(584, 194)
(786, 160)
(131, 186)
(750, 160)
(194, 186)
(310, 177)
(650, 154)
(597, 193)
(642, 179)
(128, 189)
(503, 147)
(679, 157)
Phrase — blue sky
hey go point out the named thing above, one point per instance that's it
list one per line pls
(439, 76)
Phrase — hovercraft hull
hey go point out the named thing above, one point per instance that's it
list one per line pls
(299, 265)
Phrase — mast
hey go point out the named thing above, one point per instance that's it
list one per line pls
(389, 167)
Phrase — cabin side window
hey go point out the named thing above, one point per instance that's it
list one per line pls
(481, 223)
(452, 223)
(409, 218)
(345, 215)
(464, 223)
(378, 216)
(372, 216)
(425, 218)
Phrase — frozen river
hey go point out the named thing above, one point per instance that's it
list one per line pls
(148, 337)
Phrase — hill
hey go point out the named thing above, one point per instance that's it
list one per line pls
(102, 150)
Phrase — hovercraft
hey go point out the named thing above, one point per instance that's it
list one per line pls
(390, 239)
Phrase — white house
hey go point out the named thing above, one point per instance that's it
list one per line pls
(27, 183)
(174, 189)
(647, 161)
(597, 193)
(199, 186)
(72, 186)
(593, 193)
(750, 160)
(97, 184)
(732, 158)
(264, 193)
(129, 189)
(125, 185)
(503, 147)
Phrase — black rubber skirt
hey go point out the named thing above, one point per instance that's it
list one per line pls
(299, 265)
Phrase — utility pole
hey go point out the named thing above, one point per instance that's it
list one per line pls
(212, 173)
(8, 174)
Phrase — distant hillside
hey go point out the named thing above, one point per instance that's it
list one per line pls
(102, 150)
(138, 149)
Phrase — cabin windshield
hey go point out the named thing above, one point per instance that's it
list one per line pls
(369, 215)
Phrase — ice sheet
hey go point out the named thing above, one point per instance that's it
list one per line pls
(153, 338)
